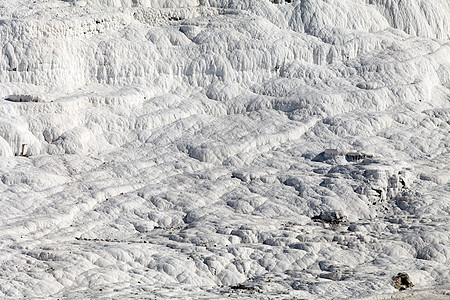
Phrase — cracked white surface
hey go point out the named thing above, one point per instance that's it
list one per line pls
(176, 149)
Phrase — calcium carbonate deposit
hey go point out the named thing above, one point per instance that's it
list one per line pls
(215, 149)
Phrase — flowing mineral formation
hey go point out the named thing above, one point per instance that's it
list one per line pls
(224, 148)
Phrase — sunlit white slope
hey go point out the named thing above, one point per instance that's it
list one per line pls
(177, 149)
(419, 18)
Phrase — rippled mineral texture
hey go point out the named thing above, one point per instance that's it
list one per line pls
(163, 149)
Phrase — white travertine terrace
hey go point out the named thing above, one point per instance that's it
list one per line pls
(185, 149)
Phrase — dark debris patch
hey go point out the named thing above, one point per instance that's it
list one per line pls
(107, 240)
(402, 281)
(23, 98)
(243, 287)
(333, 218)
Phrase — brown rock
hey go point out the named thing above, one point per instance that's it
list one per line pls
(402, 281)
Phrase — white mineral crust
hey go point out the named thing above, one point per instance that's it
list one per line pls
(224, 148)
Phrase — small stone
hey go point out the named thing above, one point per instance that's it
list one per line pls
(402, 281)
(334, 218)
